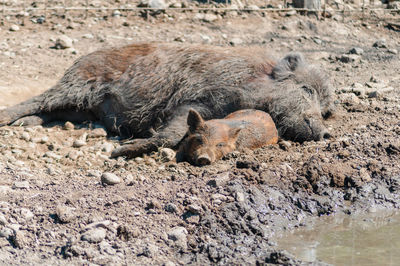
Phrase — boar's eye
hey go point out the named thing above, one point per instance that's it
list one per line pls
(221, 144)
(308, 90)
(199, 140)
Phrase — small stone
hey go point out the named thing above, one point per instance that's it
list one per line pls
(3, 220)
(68, 126)
(79, 143)
(6, 232)
(107, 147)
(348, 58)
(63, 42)
(21, 185)
(14, 27)
(153, 204)
(53, 155)
(158, 4)
(392, 51)
(194, 208)
(365, 176)
(170, 207)
(139, 160)
(167, 154)
(18, 239)
(179, 236)
(26, 214)
(252, 7)
(344, 154)
(236, 42)
(98, 133)
(380, 44)
(116, 13)
(210, 17)
(25, 136)
(110, 179)
(65, 214)
(219, 180)
(356, 50)
(239, 196)
(95, 235)
(88, 36)
(44, 139)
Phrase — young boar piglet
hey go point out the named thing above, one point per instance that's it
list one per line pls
(208, 141)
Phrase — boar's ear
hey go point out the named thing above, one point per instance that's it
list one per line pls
(194, 120)
(287, 64)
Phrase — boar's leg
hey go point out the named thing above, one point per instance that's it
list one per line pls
(59, 115)
(169, 136)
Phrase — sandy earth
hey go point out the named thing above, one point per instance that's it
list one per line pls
(54, 208)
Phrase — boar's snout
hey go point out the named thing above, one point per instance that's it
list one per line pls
(203, 159)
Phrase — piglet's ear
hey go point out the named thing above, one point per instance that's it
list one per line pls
(287, 65)
(194, 121)
(234, 133)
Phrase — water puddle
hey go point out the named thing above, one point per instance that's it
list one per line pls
(372, 239)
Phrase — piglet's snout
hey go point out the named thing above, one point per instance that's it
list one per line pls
(203, 159)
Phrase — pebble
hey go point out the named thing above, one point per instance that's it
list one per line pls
(159, 4)
(110, 179)
(98, 133)
(167, 154)
(88, 36)
(53, 155)
(95, 235)
(79, 143)
(25, 136)
(107, 147)
(3, 220)
(14, 27)
(63, 42)
(285, 145)
(21, 185)
(26, 214)
(65, 214)
(68, 126)
(116, 13)
(179, 236)
(219, 180)
(380, 44)
(239, 196)
(236, 42)
(392, 51)
(356, 50)
(194, 208)
(6, 232)
(170, 207)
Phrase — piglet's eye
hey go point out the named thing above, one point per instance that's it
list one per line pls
(221, 144)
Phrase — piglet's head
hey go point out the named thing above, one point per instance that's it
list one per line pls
(207, 141)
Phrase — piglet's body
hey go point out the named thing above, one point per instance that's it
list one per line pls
(208, 141)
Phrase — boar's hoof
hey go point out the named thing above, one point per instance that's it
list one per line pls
(137, 148)
(203, 160)
(325, 135)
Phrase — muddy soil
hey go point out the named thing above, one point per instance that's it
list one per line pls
(57, 208)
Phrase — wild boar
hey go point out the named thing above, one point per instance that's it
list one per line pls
(144, 91)
(208, 141)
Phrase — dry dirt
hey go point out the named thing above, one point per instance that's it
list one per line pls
(55, 210)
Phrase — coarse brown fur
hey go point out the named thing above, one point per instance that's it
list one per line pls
(144, 91)
(208, 141)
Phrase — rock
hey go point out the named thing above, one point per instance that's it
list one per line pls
(153, 204)
(65, 214)
(126, 233)
(139, 160)
(3, 220)
(4, 189)
(53, 155)
(26, 214)
(392, 51)
(356, 50)
(239, 196)
(348, 58)
(18, 239)
(210, 17)
(149, 250)
(179, 236)
(21, 185)
(167, 154)
(195, 209)
(107, 147)
(158, 4)
(6, 232)
(380, 44)
(236, 42)
(14, 27)
(68, 126)
(44, 139)
(63, 42)
(79, 143)
(219, 180)
(170, 207)
(98, 133)
(110, 179)
(95, 235)
(116, 13)
(25, 136)
(88, 36)
(365, 176)
(252, 7)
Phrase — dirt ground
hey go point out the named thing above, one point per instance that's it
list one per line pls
(54, 208)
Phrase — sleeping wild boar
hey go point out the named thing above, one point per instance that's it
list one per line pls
(144, 91)
(208, 141)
